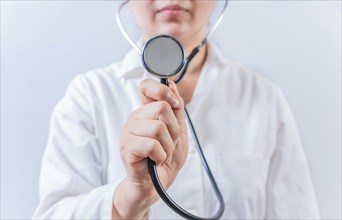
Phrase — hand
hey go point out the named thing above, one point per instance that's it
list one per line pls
(156, 130)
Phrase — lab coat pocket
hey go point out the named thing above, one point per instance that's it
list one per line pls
(242, 179)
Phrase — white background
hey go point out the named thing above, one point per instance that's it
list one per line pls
(44, 44)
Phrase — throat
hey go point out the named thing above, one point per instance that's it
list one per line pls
(186, 87)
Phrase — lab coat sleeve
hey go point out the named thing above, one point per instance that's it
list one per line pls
(73, 166)
(290, 192)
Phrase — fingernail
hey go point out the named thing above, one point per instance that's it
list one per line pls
(174, 87)
(176, 103)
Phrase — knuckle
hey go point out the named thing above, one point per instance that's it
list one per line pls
(164, 92)
(159, 128)
(152, 146)
(155, 144)
(162, 107)
(164, 157)
(177, 133)
(143, 88)
(161, 88)
(170, 150)
(181, 102)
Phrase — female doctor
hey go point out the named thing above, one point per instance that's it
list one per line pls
(112, 119)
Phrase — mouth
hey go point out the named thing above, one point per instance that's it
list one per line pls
(172, 10)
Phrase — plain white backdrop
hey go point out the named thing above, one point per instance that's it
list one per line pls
(44, 44)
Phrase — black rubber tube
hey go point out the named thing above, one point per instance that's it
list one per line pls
(166, 198)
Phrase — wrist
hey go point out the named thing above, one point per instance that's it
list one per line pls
(132, 202)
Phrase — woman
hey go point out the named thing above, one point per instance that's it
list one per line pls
(112, 119)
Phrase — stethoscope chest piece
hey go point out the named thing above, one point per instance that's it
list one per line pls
(163, 56)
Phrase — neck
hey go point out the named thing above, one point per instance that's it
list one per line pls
(188, 83)
(198, 61)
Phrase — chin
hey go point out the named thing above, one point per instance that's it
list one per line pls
(169, 27)
(173, 31)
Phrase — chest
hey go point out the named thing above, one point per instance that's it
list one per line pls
(235, 138)
(238, 168)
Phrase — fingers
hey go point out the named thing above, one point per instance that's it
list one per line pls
(158, 111)
(158, 126)
(155, 91)
(152, 91)
(157, 130)
(142, 147)
(181, 149)
(179, 112)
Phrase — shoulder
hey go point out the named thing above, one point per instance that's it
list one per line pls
(84, 87)
(236, 72)
(129, 67)
(113, 77)
(241, 85)
(251, 79)
(87, 84)
(241, 79)
(107, 87)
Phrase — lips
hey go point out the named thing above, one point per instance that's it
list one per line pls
(172, 7)
(172, 10)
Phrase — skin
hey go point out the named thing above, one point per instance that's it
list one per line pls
(157, 129)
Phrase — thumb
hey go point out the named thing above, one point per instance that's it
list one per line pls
(179, 110)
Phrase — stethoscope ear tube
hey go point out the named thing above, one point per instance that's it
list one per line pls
(186, 65)
(139, 51)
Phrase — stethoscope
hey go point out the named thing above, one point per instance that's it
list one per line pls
(163, 56)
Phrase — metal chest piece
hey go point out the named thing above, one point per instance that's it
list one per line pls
(163, 56)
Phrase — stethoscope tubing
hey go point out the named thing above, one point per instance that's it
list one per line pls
(167, 199)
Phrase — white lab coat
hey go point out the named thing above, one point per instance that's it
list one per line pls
(244, 124)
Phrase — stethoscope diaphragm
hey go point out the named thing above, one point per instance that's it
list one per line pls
(163, 56)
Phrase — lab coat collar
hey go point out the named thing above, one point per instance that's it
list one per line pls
(131, 65)
(215, 56)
